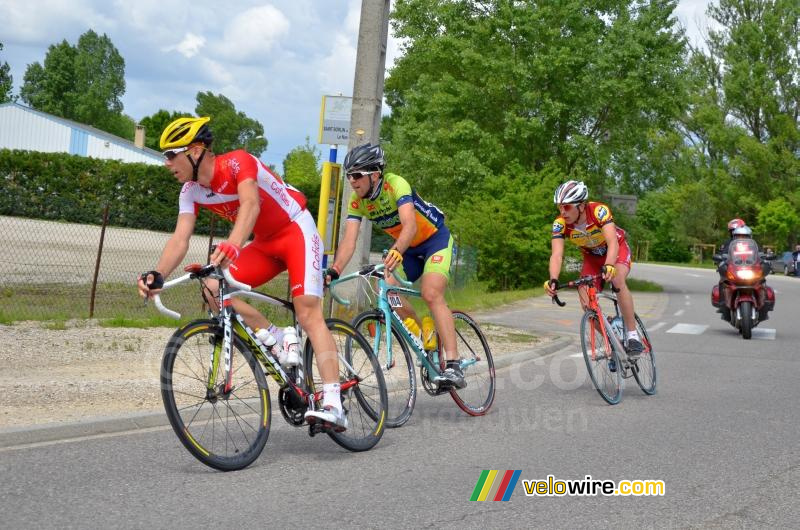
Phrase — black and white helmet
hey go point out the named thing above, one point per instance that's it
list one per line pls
(571, 192)
(365, 157)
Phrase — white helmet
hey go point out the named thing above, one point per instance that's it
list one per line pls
(571, 192)
(743, 231)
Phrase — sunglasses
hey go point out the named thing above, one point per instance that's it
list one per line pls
(170, 154)
(356, 175)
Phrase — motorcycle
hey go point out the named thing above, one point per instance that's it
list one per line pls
(745, 299)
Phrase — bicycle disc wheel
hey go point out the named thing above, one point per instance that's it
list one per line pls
(477, 364)
(400, 377)
(364, 395)
(598, 359)
(226, 431)
(644, 368)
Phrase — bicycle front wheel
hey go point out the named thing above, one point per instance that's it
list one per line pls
(400, 375)
(364, 395)
(601, 359)
(224, 430)
(477, 364)
(644, 368)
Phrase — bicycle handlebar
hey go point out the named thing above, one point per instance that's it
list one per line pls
(203, 272)
(369, 270)
(574, 284)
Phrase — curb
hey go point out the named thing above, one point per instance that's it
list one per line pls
(21, 436)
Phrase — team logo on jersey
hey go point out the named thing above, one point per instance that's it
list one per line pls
(602, 213)
(558, 228)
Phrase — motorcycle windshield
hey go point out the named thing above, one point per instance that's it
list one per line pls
(743, 252)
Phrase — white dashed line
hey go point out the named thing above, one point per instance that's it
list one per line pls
(688, 329)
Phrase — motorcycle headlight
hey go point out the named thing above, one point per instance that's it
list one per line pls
(746, 274)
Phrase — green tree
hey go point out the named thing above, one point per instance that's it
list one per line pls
(497, 87)
(6, 81)
(301, 169)
(82, 83)
(778, 223)
(154, 125)
(232, 129)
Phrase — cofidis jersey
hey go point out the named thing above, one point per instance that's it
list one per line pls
(589, 238)
(383, 210)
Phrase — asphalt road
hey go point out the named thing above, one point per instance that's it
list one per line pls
(721, 433)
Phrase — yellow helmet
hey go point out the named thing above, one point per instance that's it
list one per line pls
(186, 131)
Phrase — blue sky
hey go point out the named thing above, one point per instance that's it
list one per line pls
(273, 59)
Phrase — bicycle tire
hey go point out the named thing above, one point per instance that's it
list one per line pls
(401, 377)
(478, 365)
(366, 401)
(644, 368)
(196, 413)
(607, 383)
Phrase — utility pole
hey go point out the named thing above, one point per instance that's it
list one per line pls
(365, 118)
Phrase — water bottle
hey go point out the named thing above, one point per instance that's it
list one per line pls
(269, 341)
(290, 346)
(413, 327)
(428, 333)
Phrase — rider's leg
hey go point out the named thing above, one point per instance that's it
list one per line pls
(433, 289)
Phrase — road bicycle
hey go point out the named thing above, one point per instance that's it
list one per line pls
(384, 328)
(215, 392)
(603, 341)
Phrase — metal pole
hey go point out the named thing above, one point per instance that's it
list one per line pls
(97, 261)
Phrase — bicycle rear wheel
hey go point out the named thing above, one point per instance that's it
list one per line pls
(364, 395)
(644, 368)
(400, 377)
(226, 431)
(477, 364)
(599, 359)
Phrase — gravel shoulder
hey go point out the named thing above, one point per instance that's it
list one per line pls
(86, 371)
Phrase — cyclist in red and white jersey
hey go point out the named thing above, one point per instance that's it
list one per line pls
(590, 226)
(239, 187)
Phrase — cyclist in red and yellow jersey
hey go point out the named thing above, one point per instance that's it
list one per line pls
(590, 226)
(423, 244)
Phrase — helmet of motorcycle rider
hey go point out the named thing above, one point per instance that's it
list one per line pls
(743, 232)
(733, 224)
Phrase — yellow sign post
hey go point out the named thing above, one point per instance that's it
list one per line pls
(328, 216)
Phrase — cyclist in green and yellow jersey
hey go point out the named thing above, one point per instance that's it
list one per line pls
(423, 244)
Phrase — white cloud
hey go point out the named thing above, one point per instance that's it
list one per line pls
(189, 46)
(252, 33)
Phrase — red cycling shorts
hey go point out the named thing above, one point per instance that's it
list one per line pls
(297, 247)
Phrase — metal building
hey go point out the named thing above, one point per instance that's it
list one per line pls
(29, 129)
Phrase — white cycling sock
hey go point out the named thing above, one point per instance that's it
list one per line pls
(331, 395)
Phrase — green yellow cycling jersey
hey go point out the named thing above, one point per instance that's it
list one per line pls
(383, 211)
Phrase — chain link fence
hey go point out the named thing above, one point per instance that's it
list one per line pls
(54, 270)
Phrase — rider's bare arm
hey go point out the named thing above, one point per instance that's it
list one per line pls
(249, 208)
(610, 235)
(178, 245)
(348, 245)
(408, 220)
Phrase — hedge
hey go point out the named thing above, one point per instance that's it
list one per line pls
(72, 188)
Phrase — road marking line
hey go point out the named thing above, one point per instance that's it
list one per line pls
(679, 312)
(657, 326)
(688, 329)
(764, 333)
